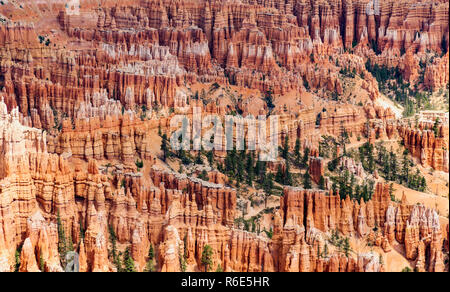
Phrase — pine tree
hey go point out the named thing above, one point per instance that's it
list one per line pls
(149, 267)
(240, 170)
(365, 193)
(325, 251)
(386, 166)
(322, 183)
(358, 193)
(287, 174)
(151, 252)
(204, 175)
(183, 264)
(41, 263)
(305, 159)
(393, 160)
(69, 244)
(344, 139)
(260, 170)
(268, 233)
(139, 164)
(17, 258)
(82, 232)
(407, 270)
(350, 186)
(62, 241)
(391, 192)
(307, 180)
(343, 184)
(371, 159)
(219, 269)
(436, 127)
(118, 263)
(210, 157)
(285, 149)
(128, 261)
(115, 257)
(185, 244)
(198, 159)
(184, 158)
(250, 169)
(267, 186)
(207, 257)
(269, 100)
(280, 175)
(334, 236)
(366, 156)
(405, 169)
(231, 162)
(164, 146)
(423, 184)
(257, 170)
(347, 247)
(334, 187)
(297, 154)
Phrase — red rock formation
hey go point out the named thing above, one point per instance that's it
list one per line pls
(222, 199)
(316, 168)
(45, 239)
(115, 137)
(336, 120)
(422, 144)
(178, 213)
(410, 68)
(436, 74)
(309, 210)
(246, 44)
(80, 100)
(27, 258)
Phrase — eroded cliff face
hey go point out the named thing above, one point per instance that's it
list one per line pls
(140, 52)
(393, 222)
(426, 141)
(436, 75)
(179, 215)
(82, 97)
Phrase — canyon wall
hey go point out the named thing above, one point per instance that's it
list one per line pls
(422, 143)
(83, 95)
(140, 52)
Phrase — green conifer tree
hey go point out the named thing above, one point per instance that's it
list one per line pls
(285, 149)
(164, 146)
(297, 154)
(128, 261)
(207, 257)
(307, 180)
(322, 183)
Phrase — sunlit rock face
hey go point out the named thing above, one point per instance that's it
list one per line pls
(86, 96)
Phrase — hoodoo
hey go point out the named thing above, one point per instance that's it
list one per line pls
(224, 136)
